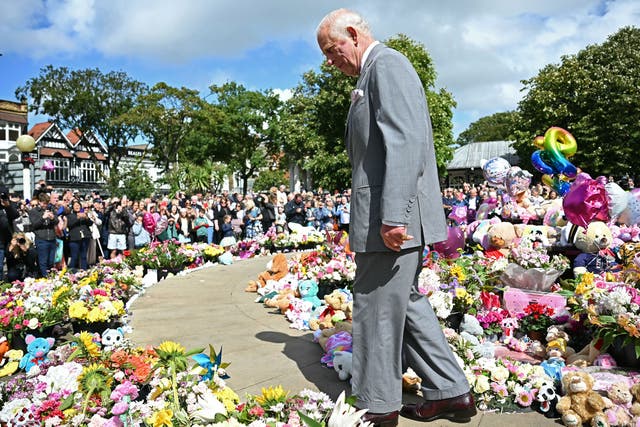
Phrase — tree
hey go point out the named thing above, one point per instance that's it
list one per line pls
(87, 100)
(247, 129)
(167, 116)
(496, 127)
(595, 95)
(269, 178)
(136, 183)
(313, 121)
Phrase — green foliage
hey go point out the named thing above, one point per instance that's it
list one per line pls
(136, 184)
(595, 95)
(496, 127)
(86, 100)
(248, 128)
(269, 178)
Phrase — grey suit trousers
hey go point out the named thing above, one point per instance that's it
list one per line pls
(394, 327)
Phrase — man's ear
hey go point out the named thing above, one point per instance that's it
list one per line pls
(353, 33)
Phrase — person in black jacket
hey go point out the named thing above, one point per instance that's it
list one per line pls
(43, 224)
(22, 259)
(79, 225)
(8, 213)
(296, 210)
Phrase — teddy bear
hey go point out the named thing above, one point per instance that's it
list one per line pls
(411, 382)
(342, 364)
(621, 399)
(10, 362)
(537, 235)
(337, 304)
(321, 336)
(557, 341)
(281, 300)
(580, 403)
(308, 290)
(501, 237)
(546, 399)
(594, 244)
(277, 268)
(112, 338)
(635, 406)
(37, 350)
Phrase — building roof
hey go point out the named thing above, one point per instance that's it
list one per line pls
(474, 154)
(39, 129)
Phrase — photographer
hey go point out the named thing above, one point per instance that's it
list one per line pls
(79, 236)
(8, 213)
(43, 224)
(22, 259)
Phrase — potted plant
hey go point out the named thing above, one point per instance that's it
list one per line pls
(535, 320)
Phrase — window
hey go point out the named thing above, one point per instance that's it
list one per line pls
(14, 134)
(61, 171)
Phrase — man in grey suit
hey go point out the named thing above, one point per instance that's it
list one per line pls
(395, 210)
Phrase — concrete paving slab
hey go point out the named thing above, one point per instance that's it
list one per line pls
(209, 306)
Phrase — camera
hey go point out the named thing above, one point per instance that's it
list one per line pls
(22, 241)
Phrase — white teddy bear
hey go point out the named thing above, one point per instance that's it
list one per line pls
(342, 362)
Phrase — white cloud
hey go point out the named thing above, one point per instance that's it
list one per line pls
(481, 50)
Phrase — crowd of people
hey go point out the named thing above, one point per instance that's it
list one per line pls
(65, 228)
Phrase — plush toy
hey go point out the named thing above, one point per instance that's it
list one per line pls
(321, 336)
(112, 338)
(470, 329)
(337, 305)
(342, 363)
(546, 400)
(337, 342)
(277, 268)
(501, 236)
(299, 313)
(411, 382)
(4, 346)
(621, 399)
(538, 235)
(635, 406)
(308, 290)
(594, 242)
(10, 362)
(281, 300)
(557, 343)
(37, 349)
(580, 403)
(553, 365)
(627, 253)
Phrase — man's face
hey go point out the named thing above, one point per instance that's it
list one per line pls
(340, 52)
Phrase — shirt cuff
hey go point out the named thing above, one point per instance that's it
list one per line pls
(394, 224)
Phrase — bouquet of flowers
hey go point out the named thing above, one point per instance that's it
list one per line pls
(491, 314)
(611, 309)
(536, 318)
(532, 268)
(501, 384)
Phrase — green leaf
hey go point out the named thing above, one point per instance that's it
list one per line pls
(68, 402)
(309, 421)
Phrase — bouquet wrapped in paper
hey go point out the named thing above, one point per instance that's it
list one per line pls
(532, 279)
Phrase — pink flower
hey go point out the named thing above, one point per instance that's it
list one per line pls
(256, 411)
(524, 398)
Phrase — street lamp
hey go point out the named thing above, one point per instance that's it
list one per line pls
(26, 144)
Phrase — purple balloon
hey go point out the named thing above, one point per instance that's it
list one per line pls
(449, 248)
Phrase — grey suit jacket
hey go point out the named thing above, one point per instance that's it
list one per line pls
(390, 145)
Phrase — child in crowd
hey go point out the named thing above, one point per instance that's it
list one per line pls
(228, 239)
(281, 220)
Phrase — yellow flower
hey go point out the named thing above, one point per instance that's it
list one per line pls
(462, 293)
(95, 379)
(77, 310)
(58, 293)
(592, 315)
(171, 347)
(161, 418)
(587, 279)
(272, 395)
(458, 271)
(228, 397)
(96, 315)
(91, 347)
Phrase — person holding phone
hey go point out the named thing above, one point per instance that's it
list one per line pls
(22, 259)
(79, 225)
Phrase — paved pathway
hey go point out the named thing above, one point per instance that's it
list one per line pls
(209, 306)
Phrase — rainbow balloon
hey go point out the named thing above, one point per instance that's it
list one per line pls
(551, 159)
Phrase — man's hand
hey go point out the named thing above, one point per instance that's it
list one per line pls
(394, 236)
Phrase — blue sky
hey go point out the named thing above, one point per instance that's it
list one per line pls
(481, 49)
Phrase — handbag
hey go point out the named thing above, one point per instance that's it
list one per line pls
(59, 251)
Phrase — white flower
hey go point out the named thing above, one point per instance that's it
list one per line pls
(500, 374)
(481, 384)
(206, 407)
(13, 407)
(345, 415)
(442, 303)
(63, 377)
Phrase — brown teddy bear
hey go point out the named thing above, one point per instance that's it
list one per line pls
(277, 268)
(336, 303)
(500, 236)
(282, 300)
(635, 406)
(620, 399)
(581, 404)
(344, 326)
(594, 242)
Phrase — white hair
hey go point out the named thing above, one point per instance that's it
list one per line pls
(338, 21)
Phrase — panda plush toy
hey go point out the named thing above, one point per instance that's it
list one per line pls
(546, 400)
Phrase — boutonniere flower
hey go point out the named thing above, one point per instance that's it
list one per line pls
(356, 94)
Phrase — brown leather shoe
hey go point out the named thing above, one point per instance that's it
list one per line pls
(458, 409)
(387, 419)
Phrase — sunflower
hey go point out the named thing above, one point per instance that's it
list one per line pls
(95, 379)
(85, 340)
(458, 272)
